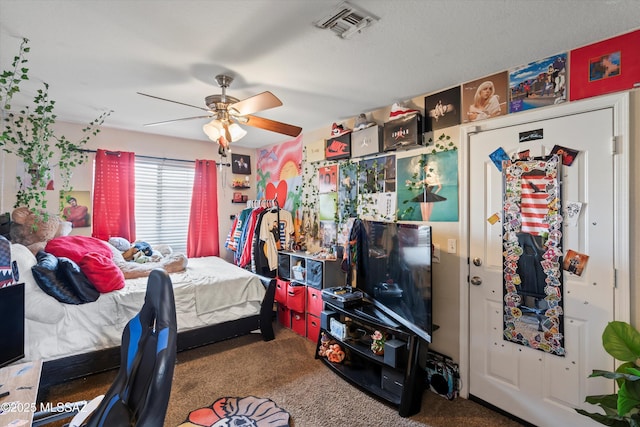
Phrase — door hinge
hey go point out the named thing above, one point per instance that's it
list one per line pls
(614, 144)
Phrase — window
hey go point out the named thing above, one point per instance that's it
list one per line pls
(163, 201)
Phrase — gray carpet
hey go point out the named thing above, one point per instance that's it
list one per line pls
(285, 371)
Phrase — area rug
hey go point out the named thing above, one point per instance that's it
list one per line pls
(239, 411)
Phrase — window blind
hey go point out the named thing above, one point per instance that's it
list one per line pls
(163, 201)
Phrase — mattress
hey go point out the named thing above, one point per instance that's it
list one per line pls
(210, 291)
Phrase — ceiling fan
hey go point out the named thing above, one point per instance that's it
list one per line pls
(227, 113)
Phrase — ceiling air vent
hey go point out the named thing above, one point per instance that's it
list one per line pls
(346, 20)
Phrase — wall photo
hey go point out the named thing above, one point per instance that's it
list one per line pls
(608, 66)
(76, 208)
(538, 84)
(241, 164)
(485, 98)
(442, 109)
(428, 187)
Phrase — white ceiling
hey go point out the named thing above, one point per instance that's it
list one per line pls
(96, 54)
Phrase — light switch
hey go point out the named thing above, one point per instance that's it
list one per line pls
(451, 246)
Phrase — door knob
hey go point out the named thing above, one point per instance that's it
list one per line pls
(475, 280)
(477, 262)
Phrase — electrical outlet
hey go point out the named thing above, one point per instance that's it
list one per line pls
(451, 246)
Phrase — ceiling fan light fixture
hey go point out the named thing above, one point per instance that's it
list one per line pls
(236, 132)
(213, 130)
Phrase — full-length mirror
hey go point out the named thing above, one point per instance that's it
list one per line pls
(532, 254)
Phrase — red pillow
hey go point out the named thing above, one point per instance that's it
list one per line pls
(75, 247)
(102, 272)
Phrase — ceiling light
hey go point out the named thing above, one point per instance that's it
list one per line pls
(236, 132)
(215, 129)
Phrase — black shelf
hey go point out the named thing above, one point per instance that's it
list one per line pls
(366, 378)
(359, 347)
(398, 380)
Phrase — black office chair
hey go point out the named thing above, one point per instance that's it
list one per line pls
(140, 392)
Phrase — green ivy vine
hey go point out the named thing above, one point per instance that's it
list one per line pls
(29, 135)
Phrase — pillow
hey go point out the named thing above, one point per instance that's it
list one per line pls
(45, 275)
(75, 247)
(120, 243)
(40, 307)
(69, 272)
(64, 229)
(102, 272)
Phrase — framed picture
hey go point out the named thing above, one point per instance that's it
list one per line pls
(485, 98)
(538, 84)
(237, 197)
(442, 109)
(241, 164)
(328, 179)
(76, 208)
(610, 65)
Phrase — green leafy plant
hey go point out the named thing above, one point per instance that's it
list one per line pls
(29, 135)
(621, 341)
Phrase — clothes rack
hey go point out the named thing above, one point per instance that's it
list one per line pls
(264, 203)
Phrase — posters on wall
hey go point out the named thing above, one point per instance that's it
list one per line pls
(328, 179)
(278, 173)
(485, 98)
(538, 84)
(608, 66)
(442, 110)
(428, 187)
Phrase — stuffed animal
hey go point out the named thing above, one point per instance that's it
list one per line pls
(130, 253)
(34, 231)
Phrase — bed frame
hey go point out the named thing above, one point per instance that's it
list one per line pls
(58, 371)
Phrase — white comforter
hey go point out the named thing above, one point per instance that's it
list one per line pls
(210, 291)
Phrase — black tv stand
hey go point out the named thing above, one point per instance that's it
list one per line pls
(369, 311)
(396, 376)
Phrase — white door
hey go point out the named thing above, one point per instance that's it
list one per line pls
(536, 386)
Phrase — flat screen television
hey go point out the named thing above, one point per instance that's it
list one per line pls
(12, 326)
(396, 274)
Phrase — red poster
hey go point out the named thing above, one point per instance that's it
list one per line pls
(611, 65)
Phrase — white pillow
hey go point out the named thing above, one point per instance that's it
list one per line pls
(38, 305)
(120, 243)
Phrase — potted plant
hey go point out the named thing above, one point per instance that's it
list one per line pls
(621, 341)
(29, 135)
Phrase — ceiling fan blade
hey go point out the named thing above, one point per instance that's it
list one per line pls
(271, 125)
(175, 102)
(253, 104)
(178, 120)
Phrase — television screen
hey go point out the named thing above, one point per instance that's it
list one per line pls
(397, 273)
(12, 327)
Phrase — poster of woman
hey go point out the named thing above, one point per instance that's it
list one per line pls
(485, 98)
(428, 187)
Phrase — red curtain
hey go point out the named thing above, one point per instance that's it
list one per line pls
(114, 195)
(203, 239)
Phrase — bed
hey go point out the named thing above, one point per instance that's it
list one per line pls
(215, 300)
